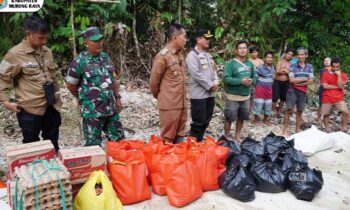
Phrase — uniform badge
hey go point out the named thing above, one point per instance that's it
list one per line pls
(4, 65)
(205, 66)
(30, 65)
(164, 51)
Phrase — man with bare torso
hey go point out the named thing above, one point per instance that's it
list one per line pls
(281, 82)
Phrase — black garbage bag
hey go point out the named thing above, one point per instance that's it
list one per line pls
(237, 182)
(273, 145)
(286, 163)
(234, 148)
(269, 177)
(240, 160)
(305, 183)
(253, 148)
(296, 156)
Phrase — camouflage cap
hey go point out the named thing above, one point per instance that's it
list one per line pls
(92, 33)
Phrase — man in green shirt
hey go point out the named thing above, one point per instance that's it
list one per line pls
(239, 78)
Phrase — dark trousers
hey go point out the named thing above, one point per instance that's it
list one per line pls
(201, 113)
(48, 124)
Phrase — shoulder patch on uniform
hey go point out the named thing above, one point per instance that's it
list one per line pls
(159, 60)
(4, 65)
(195, 51)
(164, 51)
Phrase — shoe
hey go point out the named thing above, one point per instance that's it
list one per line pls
(179, 140)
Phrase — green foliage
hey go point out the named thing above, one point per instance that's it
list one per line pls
(167, 16)
(320, 25)
(57, 14)
(219, 31)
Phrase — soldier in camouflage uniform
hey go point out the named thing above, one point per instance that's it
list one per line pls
(92, 79)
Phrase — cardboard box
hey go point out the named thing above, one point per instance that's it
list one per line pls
(82, 161)
(22, 154)
(10, 188)
(75, 189)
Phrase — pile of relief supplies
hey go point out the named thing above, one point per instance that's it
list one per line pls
(180, 171)
(36, 179)
(95, 180)
(271, 165)
(123, 175)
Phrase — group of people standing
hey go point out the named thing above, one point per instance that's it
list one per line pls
(249, 84)
(29, 68)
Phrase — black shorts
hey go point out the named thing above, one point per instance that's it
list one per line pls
(279, 90)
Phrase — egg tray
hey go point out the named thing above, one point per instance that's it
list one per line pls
(69, 206)
(48, 186)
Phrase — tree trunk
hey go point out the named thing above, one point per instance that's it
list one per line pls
(134, 31)
(74, 56)
(72, 25)
(179, 11)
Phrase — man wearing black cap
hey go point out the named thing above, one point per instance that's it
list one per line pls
(92, 79)
(204, 82)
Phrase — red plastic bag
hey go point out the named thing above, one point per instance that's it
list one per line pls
(2, 184)
(125, 144)
(163, 163)
(210, 160)
(183, 185)
(128, 171)
(152, 148)
(221, 153)
(206, 160)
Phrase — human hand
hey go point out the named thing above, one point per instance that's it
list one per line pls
(214, 88)
(247, 81)
(119, 105)
(285, 71)
(337, 72)
(12, 106)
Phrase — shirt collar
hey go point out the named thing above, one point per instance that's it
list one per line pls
(28, 49)
(267, 67)
(89, 56)
(173, 51)
(198, 50)
(301, 66)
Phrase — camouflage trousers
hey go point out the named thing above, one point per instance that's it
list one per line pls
(110, 125)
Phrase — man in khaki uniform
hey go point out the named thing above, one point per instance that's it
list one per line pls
(168, 86)
(30, 68)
